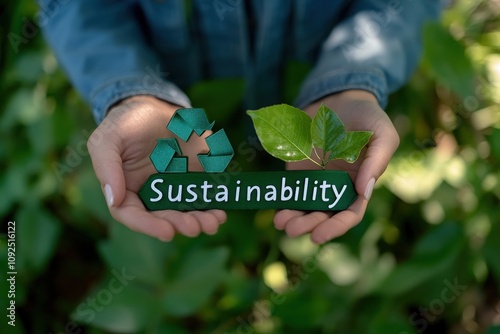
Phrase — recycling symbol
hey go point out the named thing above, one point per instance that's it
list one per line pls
(167, 156)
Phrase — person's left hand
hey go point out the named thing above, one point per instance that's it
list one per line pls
(359, 110)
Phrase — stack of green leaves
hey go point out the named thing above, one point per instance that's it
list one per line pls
(289, 134)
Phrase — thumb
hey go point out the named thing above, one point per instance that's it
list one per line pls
(378, 155)
(108, 167)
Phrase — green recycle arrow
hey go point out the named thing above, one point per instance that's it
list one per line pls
(167, 156)
(164, 159)
(221, 153)
(185, 121)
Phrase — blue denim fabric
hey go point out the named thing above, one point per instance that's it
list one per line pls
(119, 48)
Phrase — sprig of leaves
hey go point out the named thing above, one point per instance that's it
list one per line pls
(289, 134)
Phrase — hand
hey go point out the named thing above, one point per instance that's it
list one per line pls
(359, 110)
(120, 148)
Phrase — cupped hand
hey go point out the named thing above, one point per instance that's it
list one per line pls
(120, 149)
(359, 110)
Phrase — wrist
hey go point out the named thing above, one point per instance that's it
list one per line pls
(141, 101)
(355, 94)
(147, 100)
(347, 95)
(340, 100)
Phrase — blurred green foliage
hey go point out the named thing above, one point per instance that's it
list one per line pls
(424, 260)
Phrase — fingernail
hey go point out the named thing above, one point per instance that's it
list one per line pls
(108, 193)
(318, 241)
(369, 188)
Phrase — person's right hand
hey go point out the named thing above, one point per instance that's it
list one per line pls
(120, 149)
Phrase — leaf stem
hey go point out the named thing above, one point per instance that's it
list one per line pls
(322, 165)
(324, 161)
(317, 163)
(316, 152)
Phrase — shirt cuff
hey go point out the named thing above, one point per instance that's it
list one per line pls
(104, 97)
(316, 87)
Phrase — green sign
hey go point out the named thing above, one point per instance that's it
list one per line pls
(174, 188)
(299, 190)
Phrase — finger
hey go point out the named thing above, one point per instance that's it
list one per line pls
(108, 167)
(283, 216)
(133, 215)
(306, 223)
(378, 155)
(220, 215)
(208, 221)
(340, 223)
(183, 222)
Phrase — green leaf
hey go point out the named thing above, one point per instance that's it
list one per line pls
(351, 146)
(490, 250)
(146, 259)
(27, 68)
(302, 309)
(327, 130)
(119, 306)
(284, 131)
(39, 232)
(434, 254)
(447, 61)
(201, 272)
(494, 140)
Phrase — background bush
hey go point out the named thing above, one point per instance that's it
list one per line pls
(424, 260)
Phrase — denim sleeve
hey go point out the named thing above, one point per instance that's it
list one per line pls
(101, 46)
(375, 48)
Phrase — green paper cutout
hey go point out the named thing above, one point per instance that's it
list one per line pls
(185, 121)
(220, 154)
(163, 153)
(297, 190)
(167, 155)
(177, 165)
(164, 159)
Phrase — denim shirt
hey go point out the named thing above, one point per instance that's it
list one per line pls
(119, 48)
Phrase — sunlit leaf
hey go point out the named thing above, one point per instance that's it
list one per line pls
(351, 146)
(24, 106)
(327, 130)
(284, 131)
